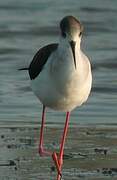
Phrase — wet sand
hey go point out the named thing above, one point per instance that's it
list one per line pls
(90, 152)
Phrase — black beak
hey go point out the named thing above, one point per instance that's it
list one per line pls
(72, 44)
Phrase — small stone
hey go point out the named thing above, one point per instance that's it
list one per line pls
(9, 146)
(15, 168)
(109, 172)
(105, 152)
(52, 168)
(2, 136)
(12, 163)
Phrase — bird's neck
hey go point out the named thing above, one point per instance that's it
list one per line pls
(64, 45)
(62, 63)
(63, 70)
(65, 55)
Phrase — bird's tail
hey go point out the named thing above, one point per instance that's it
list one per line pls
(21, 69)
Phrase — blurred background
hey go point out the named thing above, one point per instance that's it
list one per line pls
(25, 26)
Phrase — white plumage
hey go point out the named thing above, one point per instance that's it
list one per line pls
(61, 79)
(59, 85)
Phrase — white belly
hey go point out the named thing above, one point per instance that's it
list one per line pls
(59, 94)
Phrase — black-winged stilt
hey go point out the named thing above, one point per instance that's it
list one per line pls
(61, 78)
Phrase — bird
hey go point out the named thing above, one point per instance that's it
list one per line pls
(61, 78)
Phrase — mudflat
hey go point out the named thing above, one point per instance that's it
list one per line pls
(90, 152)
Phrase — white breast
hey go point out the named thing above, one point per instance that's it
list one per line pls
(62, 87)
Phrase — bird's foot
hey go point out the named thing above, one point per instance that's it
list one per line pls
(43, 152)
(58, 163)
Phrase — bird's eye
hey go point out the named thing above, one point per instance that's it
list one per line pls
(80, 34)
(64, 34)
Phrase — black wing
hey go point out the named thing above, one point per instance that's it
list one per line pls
(40, 59)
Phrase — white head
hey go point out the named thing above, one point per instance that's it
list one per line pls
(71, 32)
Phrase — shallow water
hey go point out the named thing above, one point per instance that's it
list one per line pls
(25, 26)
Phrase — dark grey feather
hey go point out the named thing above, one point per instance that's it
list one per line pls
(21, 69)
(40, 59)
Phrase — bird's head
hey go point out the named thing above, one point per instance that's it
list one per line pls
(71, 32)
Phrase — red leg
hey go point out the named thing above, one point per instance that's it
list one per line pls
(59, 160)
(42, 152)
